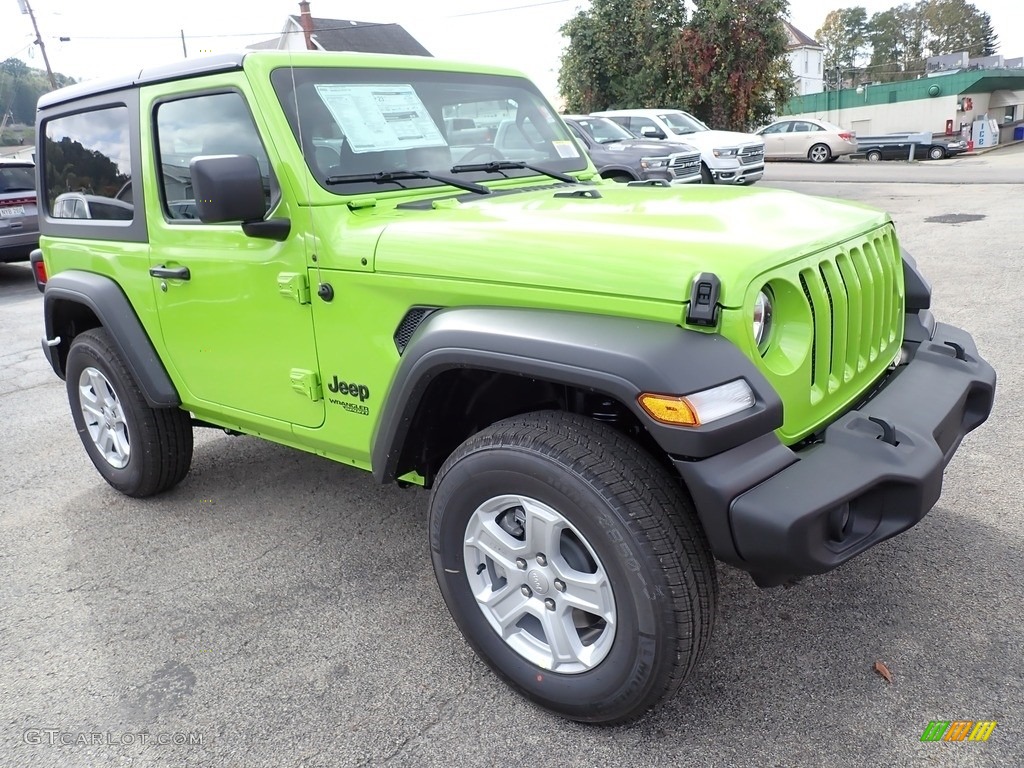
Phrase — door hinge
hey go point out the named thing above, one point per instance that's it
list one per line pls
(307, 383)
(293, 285)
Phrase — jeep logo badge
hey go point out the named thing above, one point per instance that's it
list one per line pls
(538, 582)
(352, 390)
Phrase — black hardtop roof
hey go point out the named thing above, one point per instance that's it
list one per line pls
(228, 62)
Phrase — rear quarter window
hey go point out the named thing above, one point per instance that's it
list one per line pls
(88, 153)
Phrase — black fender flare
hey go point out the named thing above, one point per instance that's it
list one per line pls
(616, 356)
(625, 169)
(104, 297)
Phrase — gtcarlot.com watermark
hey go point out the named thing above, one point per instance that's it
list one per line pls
(58, 737)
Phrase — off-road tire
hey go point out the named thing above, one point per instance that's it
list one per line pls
(632, 513)
(160, 438)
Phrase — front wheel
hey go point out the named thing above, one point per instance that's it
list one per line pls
(706, 177)
(574, 565)
(936, 153)
(874, 156)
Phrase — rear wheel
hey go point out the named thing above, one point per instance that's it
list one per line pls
(139, 450)
(936, 153)
(819, 153)
(574, 565)
(874, 156)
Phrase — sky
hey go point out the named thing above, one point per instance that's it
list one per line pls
(523, 34)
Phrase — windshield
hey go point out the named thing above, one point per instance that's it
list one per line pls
(353, 122)
(681, 122)
(602, 130)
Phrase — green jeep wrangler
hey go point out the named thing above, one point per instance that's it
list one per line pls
(605, 386)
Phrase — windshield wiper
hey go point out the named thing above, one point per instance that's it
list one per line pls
(396, 177)
(497, 166)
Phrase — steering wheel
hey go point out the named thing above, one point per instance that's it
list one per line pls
(484, 154)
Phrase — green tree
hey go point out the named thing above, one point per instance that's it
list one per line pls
(22, 85)
(619, 54)
(956, 25)
(988, 38)
(844, 37)
(897, 38)
(733, 54)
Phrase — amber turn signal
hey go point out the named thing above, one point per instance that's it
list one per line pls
(669, 410)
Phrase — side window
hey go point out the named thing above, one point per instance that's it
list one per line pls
(578, 134)
(637, 124)
(87, 153)
(779, 128)
(212, 124)
(802, 127)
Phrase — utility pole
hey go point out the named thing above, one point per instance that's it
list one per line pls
(26, 8)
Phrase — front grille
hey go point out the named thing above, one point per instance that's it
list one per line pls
(751, 154)
(855, 303)
(854, 294)
(683, 166)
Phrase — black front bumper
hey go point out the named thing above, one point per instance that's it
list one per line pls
(877, 470)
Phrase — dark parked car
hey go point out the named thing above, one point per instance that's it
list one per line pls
(19, 233)
(900, 150)
(622, 156)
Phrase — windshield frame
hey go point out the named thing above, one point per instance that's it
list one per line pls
(531, 105)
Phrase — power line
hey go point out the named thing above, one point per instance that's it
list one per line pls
(23, 48)
(318, 29)
(503, 10)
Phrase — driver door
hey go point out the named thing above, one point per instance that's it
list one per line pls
(236, 321)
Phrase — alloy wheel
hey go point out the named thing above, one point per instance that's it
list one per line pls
(104, 417)
(539, 584)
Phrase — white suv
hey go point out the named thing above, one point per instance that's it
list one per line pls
(726, 156)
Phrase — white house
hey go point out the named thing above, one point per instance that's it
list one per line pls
(806, 59)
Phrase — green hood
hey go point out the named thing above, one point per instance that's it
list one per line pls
(640, 242)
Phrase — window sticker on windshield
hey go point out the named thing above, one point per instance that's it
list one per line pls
(565, 149)
(379, 118)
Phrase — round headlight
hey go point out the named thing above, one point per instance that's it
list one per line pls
(762, 319)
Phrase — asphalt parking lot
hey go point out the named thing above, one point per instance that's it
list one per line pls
(281, 610)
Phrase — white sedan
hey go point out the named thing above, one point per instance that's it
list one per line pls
(816, 140)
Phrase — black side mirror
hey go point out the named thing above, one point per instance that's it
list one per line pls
(650, 132)
(229, 188)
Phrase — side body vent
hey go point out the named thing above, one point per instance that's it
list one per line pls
(409, 324)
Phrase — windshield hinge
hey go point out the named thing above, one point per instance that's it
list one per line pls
(703, 307)
(293, 285)
(307, 383)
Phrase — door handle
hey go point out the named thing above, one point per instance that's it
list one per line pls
(170, 273)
